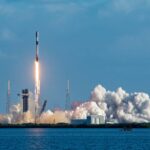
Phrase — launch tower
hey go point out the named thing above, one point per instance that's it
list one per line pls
(67, 105)
(8, 98)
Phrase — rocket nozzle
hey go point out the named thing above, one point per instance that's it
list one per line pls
(37, 59)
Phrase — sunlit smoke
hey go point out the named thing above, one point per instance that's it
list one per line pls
(116, 106)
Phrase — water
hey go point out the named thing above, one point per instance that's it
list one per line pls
(74, 139)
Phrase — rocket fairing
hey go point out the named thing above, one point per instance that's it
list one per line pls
(37, 46)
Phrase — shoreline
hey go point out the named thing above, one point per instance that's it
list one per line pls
(62, 125)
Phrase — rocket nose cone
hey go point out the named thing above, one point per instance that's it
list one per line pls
(37, 33)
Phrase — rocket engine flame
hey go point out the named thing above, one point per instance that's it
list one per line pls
(37, 84)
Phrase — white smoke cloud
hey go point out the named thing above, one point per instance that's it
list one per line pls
(53, 117)
(115, 105)
(17, 117)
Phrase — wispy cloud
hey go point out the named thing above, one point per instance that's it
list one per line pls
(123, 6)
(128, 6)
(7, 34)
(6, 9)
(64, 8)
(4, 55)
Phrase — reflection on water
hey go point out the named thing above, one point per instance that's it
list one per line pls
(36, 131)
(74, 139)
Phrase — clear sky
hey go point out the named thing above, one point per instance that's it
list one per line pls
(89, 42)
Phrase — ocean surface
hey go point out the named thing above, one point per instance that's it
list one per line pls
(74, 139)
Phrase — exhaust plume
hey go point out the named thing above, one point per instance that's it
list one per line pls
(116, 106)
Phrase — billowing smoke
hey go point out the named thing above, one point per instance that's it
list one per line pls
(17, 117)
(116, 106)
(54, 117)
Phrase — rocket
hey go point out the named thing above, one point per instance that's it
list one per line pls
(37, 74)
(37, 46)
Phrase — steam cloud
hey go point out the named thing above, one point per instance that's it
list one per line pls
(117, 107)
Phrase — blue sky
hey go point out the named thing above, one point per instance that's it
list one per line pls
(89, 42)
